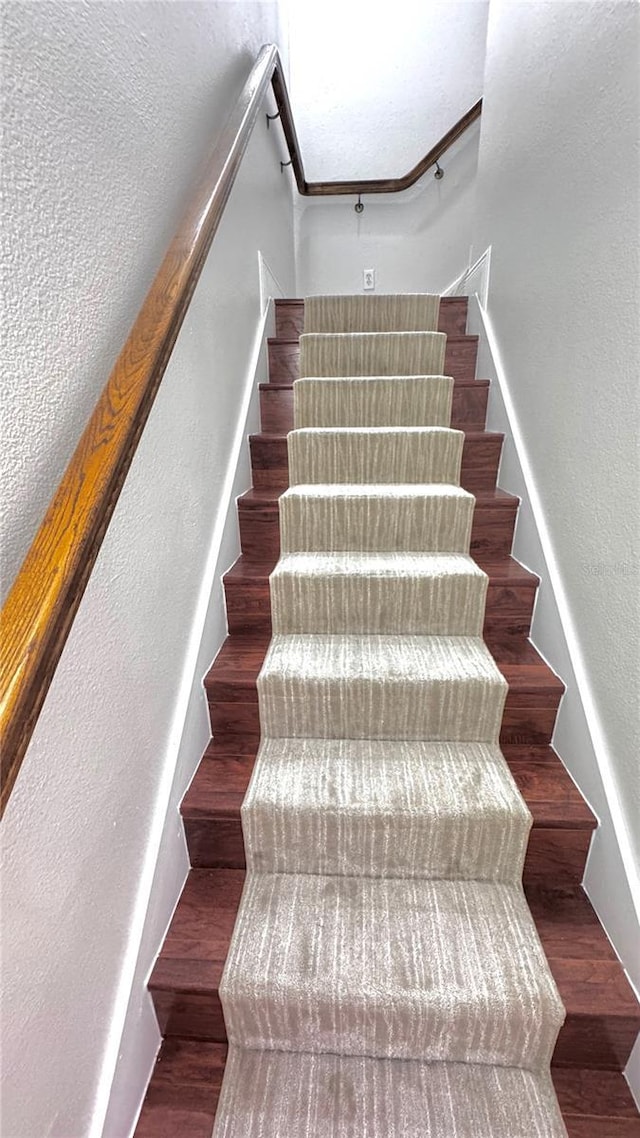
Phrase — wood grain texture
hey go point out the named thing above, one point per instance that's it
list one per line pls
(468, 409)
(183, 1096)
(41, 606)
(602, 1014)
(558, 844)
(491, 534)
(480, 460)
(510, 596)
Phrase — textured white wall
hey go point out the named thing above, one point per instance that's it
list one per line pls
(110, 109)
(558, 202)
(373, 89)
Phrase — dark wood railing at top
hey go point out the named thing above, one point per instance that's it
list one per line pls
(45, 596)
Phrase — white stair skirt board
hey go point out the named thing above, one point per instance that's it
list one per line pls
(438, 594)
(381, 687)
(298, 1095)
(375, 518)
(385, 977)
(385, 809)
(372, 353)
(373, 401)
(375, 454)
(410, 312)
(394, 968)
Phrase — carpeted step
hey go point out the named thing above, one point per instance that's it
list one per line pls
(437, 594)
(404, 312)
(384, 809)
(373, 401)
(375, 454)
(372, 353)
(381, 687)
(402, 968)
(298, 1095)
(398, 517)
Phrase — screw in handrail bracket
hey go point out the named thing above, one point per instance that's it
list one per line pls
(284, 164)
(359, 206)
(439, 173)
(270, 118)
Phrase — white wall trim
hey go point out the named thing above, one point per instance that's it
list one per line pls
(189, 699)
(473, 281)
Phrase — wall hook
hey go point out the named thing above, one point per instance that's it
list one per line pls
(359, 206)
(270, 118)
(439, 172)
(284, 164)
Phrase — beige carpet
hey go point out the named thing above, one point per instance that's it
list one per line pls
(385, 978)
(373, 401)
(372, 353)
(408, 312)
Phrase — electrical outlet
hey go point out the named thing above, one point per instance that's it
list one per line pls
(368, 279)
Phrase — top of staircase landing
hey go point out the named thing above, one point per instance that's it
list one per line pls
(443, 300)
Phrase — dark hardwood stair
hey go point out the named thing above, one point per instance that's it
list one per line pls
(468, 407)
(480, 460)
(558, 846)
(510, 596)
(602, 1014)
(494, 521)
(185, 1087)
(459, 359)
(452, 317)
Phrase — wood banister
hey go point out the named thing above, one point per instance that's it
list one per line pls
(47, 591)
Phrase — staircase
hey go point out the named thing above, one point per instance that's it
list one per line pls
(602, 1016)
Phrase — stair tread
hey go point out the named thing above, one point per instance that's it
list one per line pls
(302, 1095)
(444, 300)
(590, 979)
(363, 962)
(287, 385)
(220, 783)
(506, 569)
(470, 436)
(455, 339)
(241, 657)
(268, 497)
(185, 1087)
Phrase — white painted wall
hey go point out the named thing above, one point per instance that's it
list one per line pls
(373, 89)
(110, 109)
(557, 200)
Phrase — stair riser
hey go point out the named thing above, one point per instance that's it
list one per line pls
(217, 843)
(480, 461)
(520, 724)
(459, 361)
(468, 408)
(491, 534)
(598, 1041)
(452, 317)
(508, 610)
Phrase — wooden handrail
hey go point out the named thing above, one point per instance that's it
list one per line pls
(47, 591)
(375, 185)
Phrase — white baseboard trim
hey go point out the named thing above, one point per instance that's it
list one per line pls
(611, 877)
(135, 1037)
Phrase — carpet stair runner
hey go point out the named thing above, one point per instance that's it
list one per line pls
(385, 975)
(299, 822)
